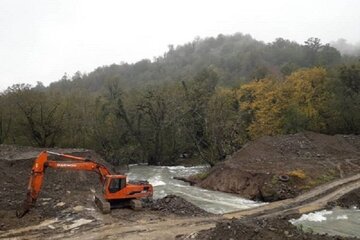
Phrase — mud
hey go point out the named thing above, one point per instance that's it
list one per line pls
(281, 167)
(66, 203)
(350, 200)
(256, 229)
(172, 204)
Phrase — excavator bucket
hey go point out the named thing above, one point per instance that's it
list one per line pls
(22, 212)
(25, 207)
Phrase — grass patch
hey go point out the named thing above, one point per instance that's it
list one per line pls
(274, 180)
(322, 179)
(201, 176)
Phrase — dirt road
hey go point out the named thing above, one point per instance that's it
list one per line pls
(157, 230)
(311, 201)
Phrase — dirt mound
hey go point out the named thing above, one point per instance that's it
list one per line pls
(176, 205)
(274, 168)
(254, 229)
(349, 200)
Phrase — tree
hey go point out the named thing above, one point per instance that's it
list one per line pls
(5, 118)
(350, 77)
(224, 126)
(347, 101)
(313, 43)
(116, 126)
(197, 96)
(265, 104)
(285, 106)
(328, 56)
(309, 92)
(154, 109)
(42, 114)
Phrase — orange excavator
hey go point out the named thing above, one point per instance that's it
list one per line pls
(116, 190)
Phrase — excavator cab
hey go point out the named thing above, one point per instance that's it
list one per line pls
(114, 183)
(116, 187)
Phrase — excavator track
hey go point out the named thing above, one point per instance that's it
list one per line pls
(135, 204)
(102, 204)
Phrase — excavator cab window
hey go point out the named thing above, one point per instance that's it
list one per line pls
(116, 184)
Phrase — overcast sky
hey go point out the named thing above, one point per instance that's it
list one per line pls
(40, 40)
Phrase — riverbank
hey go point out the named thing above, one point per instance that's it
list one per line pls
(349, 200)
(281, 167)
(281, 227)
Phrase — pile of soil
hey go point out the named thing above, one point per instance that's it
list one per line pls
(349, 200)
(255, 229)
(280, 167)
(176, 205)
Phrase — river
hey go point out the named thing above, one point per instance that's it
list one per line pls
(338, 221)
(161, 177)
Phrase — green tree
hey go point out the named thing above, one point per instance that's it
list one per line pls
(197, 96)
(41, 114)
(225, 127)
(347, 103)
(6, 118)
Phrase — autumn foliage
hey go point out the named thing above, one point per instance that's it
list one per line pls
(300, 101)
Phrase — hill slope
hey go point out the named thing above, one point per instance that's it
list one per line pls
(273, 168)
(236, 58)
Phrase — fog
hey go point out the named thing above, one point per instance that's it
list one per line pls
(347, 48)
(40, 40)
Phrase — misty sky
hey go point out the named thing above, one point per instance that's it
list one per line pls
(40, 40)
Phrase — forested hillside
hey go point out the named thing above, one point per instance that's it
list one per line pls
(204, 99)
(236, 59)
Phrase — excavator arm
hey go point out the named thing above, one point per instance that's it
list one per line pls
(42, 162)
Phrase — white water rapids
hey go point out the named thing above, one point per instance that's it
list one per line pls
(161, 177)
(343, 222)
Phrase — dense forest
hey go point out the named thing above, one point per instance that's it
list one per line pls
(204, 99)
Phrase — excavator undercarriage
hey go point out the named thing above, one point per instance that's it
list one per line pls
(105, 206)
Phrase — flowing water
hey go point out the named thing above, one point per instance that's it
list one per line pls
(338, 221)
(161, 177)
(343, 222)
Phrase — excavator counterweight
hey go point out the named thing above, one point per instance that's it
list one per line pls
(116, 191)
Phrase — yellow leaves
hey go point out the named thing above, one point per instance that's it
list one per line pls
(263, 99)
(269, 101)
(308, 87)
(298, 173)
(310, 94)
